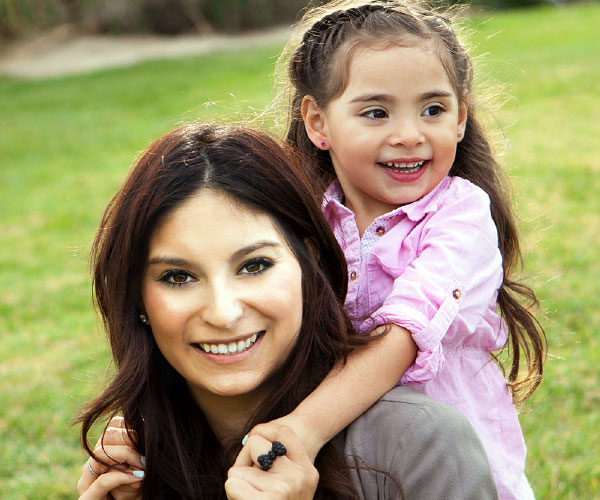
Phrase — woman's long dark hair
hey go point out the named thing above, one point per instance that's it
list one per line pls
(184, 458)
(315, 63)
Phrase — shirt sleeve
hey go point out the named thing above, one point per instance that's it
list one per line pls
(410, 446)
(454, 277)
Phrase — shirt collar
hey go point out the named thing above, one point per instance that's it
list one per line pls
(415, 211)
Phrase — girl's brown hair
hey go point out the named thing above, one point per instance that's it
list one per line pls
(316, 63)
(184, 458)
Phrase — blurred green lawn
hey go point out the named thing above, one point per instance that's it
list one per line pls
(66, 144)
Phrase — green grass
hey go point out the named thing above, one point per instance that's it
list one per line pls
(66, 144)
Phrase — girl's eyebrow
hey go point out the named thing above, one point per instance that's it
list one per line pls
(386, 98)
(434, 93)
(242, 252)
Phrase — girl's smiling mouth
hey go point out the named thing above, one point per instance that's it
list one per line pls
(404, 167)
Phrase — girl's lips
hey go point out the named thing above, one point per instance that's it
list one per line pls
(405, 171)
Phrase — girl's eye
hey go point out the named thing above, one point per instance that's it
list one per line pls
(255, 266)
(375, 114)
(434, 110)
(176, 277)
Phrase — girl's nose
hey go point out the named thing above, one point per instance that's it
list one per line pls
(406, 133)
(221, 308)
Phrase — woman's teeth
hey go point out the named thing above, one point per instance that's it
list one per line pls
(407, 168)
(231, 348)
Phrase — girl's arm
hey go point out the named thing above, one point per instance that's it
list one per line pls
(351, 388)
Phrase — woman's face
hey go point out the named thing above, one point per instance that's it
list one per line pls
(222, 292)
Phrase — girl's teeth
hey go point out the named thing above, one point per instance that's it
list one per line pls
(405, 166)
(230, 348)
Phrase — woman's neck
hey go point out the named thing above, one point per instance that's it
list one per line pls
(228, 416)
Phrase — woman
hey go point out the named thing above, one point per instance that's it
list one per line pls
(221, 289)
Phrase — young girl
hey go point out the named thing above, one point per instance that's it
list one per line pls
(382, 102)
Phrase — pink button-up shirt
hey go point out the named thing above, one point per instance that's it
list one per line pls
(434, 267)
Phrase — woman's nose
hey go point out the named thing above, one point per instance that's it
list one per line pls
(222, 307)
(406, 133)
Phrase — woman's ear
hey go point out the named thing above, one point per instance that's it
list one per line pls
(463, 113)
(314, 122)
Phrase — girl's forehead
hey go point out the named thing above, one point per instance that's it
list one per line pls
(387, 43)
(348, 52)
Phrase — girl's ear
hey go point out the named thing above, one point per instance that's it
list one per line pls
(314, 122)
(463, 113)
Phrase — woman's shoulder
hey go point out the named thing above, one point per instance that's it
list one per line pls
(425, 447)
(402, 410)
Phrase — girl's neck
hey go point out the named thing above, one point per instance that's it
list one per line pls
(366, 213)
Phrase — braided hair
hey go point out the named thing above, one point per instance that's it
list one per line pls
(316, 64)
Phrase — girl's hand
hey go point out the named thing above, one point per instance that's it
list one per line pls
(291, 477)
(114, 447)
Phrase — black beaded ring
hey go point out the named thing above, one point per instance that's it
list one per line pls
(266, 461)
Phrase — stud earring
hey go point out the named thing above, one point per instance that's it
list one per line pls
(323, 144)
(144, 319)
(460, 134)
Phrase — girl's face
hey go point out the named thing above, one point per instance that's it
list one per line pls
(393, 132)
(222, 292)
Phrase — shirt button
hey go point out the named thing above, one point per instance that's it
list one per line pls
(353, 275)
(380, 231)
(457, 294)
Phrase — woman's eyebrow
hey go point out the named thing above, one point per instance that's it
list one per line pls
(242, 252)
(171, 261)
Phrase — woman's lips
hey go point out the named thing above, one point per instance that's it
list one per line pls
(229, 348)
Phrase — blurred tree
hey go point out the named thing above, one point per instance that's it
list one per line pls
(23, 17)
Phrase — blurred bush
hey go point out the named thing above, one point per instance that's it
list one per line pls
(20, 18)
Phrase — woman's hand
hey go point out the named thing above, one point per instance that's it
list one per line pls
(98, 480)
(309, 437)
(291, 477)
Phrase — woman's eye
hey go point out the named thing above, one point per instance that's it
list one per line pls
(255, 266)
(434, 110)
(375, 114)
(176, 278)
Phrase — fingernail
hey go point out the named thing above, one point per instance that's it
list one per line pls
(143, 459)
(138, 473)
(245, 440)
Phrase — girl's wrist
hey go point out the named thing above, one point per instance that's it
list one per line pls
(309, 435)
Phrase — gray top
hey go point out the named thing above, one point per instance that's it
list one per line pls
(427, 447)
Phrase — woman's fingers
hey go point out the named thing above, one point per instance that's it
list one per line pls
(238, 489)
(127, 491)
(117, 455)
(102, 486)
(115, 447)
(115, 435)
(271, 432)
(290, 476)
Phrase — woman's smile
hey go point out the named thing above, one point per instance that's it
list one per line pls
(231, 347)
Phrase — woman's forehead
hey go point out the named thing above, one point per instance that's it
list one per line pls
(210, 222)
